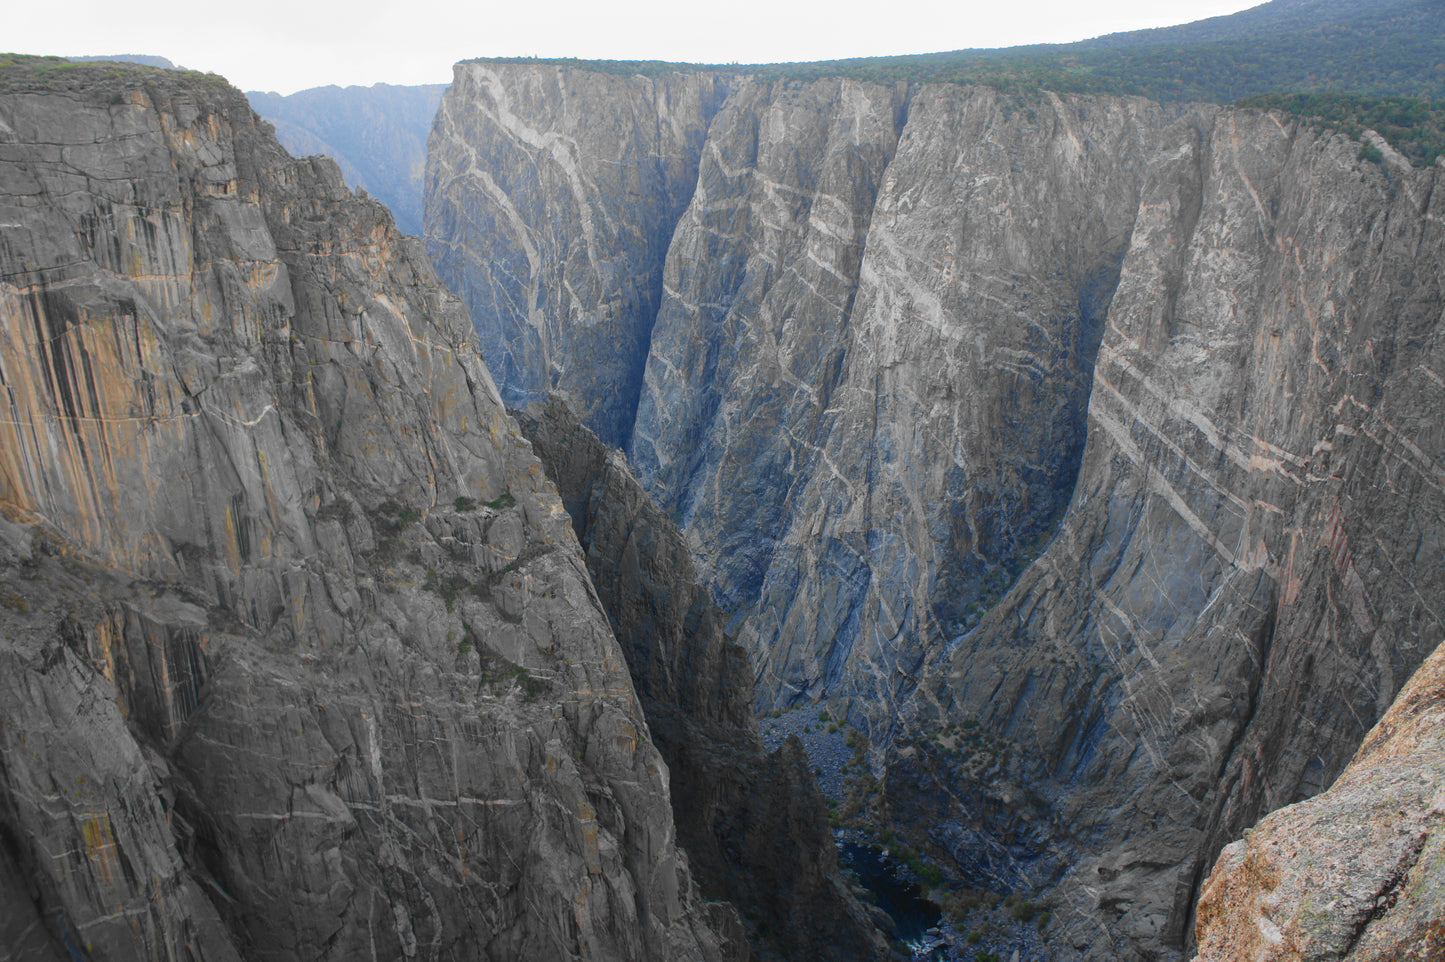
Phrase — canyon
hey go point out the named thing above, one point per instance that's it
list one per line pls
(301, 657)
(1100, 425)
(1080, 454)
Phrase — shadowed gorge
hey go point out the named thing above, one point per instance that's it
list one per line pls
(753, 824)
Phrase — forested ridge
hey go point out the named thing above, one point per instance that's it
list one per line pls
(1349, 64)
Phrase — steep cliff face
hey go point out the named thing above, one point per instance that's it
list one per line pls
(1243, 580)
(551, 201)
(753, 824)
(299, 654)
(948, 250)
(1105, 428)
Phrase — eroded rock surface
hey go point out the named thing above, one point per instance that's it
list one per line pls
(298, 654)
(552, 197)
(1241, 584)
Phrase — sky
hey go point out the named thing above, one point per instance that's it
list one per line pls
(290, 45)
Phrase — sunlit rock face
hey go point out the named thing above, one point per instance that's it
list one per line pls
(1355, 873)
(1109, 429)
(298, 653)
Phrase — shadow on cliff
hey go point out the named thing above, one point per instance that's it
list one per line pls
(753, 824)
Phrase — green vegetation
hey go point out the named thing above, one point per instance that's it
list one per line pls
(335, 511)
(390, 517)
(25, 72)
(446, 588)
(862, 804)
(1346, 63)
(1416, 128)
(495, 670)
(1372, 54)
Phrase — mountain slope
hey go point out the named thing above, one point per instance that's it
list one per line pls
(1390, 48)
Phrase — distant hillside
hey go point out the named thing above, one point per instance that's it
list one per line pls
(377, 134)
(1369, 47)
(1378, 50)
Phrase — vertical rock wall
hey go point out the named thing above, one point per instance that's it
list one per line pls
(864, 389)
(1243, 580)
(552, 197)
(299, 657)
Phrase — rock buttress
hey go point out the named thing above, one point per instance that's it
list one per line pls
(300, 654)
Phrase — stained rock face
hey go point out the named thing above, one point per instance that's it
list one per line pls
(1355, 873)
(1107, 429)
(753, 824)
(298, 654)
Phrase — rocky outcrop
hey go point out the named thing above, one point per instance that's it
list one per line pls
(298, 654)
(1356, 873)
(753, 824)
(376, 134)
(1105, 429)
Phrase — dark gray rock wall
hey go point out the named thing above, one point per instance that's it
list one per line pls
(754, 824)
(552, 197)
(1243, 581)
(298, 653)
(865, 387)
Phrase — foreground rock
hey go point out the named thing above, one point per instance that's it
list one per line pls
(298, 654)
(753, 823)
(1356, 873)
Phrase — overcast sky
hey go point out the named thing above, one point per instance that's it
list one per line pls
(289, 45)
